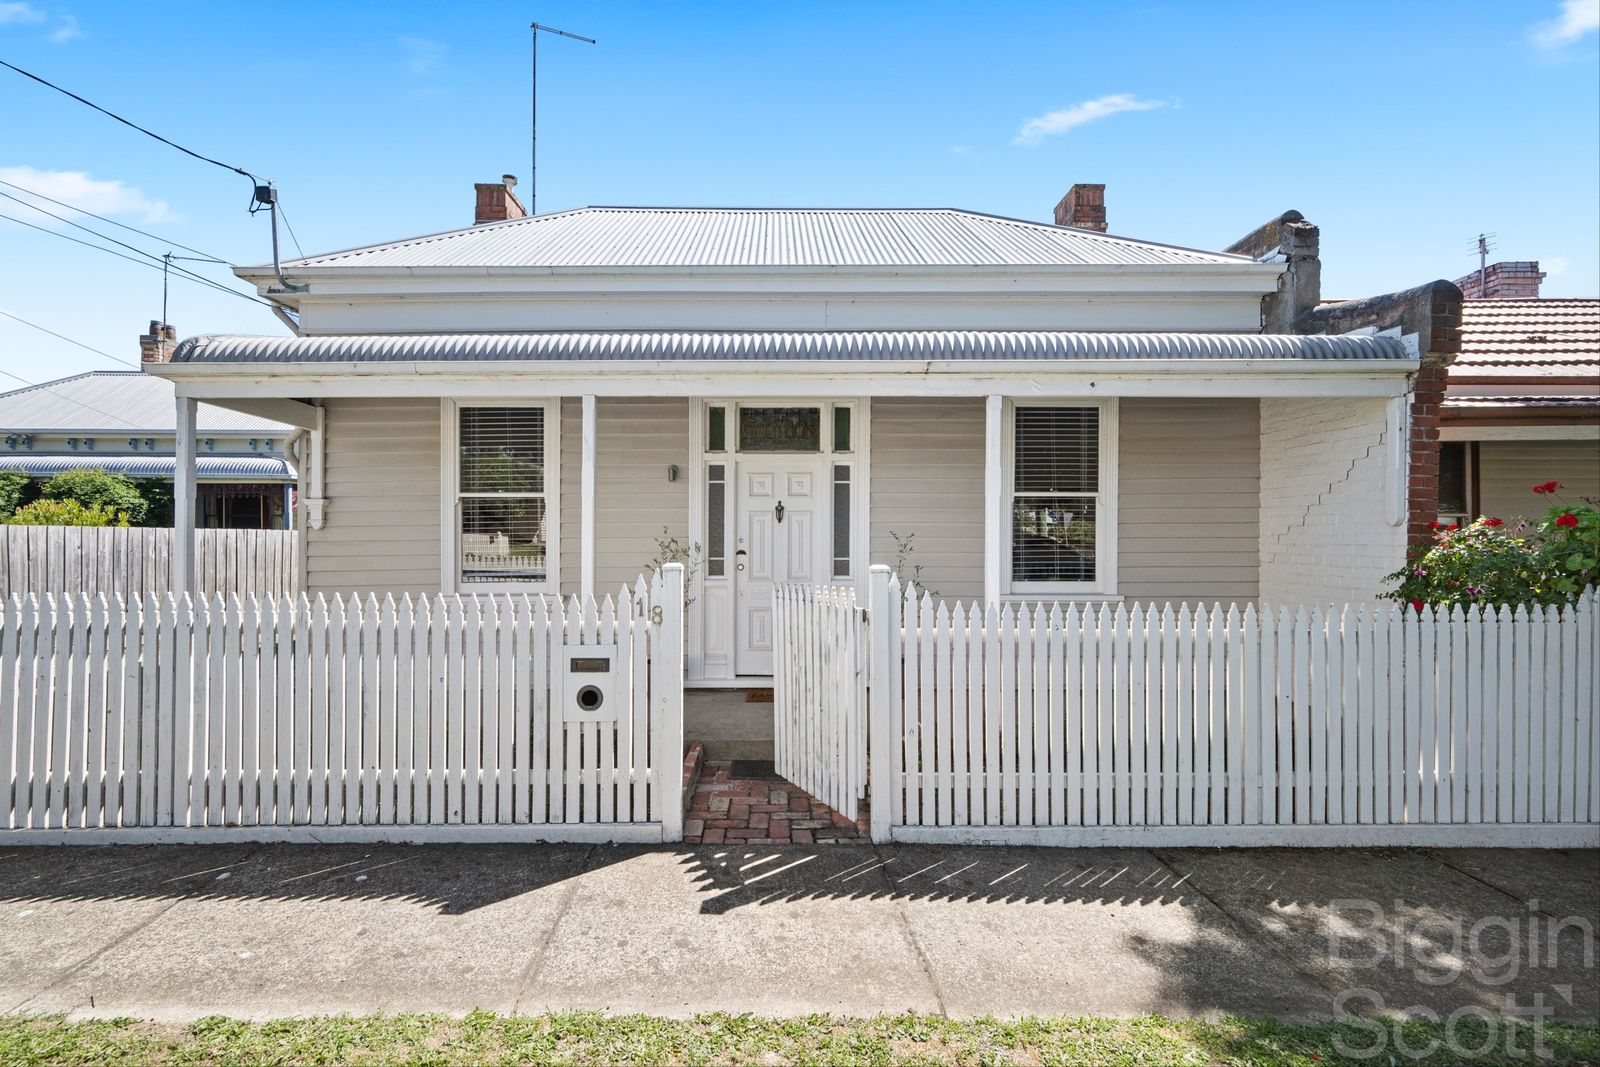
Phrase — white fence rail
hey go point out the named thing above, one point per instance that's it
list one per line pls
(133, 561)
(820, 693)
(445, 718)
(1076, 724)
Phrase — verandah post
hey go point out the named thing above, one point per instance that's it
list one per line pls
(880, 745)
(666, 689)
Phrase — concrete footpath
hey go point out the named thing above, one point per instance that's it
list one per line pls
(174, 933)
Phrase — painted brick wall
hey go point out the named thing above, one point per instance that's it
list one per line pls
(1324, 533)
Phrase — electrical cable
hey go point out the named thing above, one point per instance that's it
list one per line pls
(186, 275)
(114, 222)
(70, 341)
(132, 125)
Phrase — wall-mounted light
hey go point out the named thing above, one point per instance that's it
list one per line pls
(672, 472)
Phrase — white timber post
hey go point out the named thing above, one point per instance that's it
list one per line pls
(586, 508)
(666, 696)
(880, 743)
(994, 522)
(183, 499)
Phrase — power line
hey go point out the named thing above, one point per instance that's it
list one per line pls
(286, 225)
(102, 218)
(185, 275)
(70, 341)
(132, 125)
(104, 237)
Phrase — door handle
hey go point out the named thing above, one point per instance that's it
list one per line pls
(778, 511)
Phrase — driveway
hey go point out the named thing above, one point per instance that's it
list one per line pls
(174, 933)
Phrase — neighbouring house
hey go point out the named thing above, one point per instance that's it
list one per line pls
(1507, 394)
(122, 422)
(1044, 410)
(1522, 405)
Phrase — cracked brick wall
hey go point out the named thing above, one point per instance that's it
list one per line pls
(1325, 536)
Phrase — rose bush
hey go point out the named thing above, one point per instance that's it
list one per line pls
(1551, 561)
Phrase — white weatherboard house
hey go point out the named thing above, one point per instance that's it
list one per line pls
(1048, 411)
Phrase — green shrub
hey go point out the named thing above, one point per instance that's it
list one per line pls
(14, 486)
(96, 488)
(1552, 561)
(65, 513)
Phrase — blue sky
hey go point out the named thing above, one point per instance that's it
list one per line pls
(1402, 129)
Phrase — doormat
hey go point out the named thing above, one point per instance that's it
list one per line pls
(758, 696)
(759, 769)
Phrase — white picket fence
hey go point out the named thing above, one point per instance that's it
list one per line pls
(443, 718)
(133, 561)
(1070, 724)
(820, 693)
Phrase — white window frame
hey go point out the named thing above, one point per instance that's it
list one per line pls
(450, 484)
(1105, 534)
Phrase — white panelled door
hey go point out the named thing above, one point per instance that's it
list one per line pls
(781, 537)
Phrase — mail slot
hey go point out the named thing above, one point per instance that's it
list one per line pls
(588, 689)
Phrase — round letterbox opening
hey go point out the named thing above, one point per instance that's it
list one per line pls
(590, 698)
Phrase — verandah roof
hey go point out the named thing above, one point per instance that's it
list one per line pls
(788, 347)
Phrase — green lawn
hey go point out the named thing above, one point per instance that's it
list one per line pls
(740, 1039)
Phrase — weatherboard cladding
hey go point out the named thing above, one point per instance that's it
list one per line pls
(622, 237)
(800, 346)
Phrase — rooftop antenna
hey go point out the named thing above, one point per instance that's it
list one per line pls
(533, 140)
(1485, 246)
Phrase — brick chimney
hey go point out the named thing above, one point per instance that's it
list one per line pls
(1503, 281)
(1084, 207)
(1291, 240)
(157, 345)
(496, 201)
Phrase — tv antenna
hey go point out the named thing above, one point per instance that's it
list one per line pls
(533, 140)
(1485, 246)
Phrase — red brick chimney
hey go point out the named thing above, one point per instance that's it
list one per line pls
(496, 201)
(157, 345)
(1084, 207)
(1503, 281)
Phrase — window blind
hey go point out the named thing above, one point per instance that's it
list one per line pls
(501, 502)
(1055, 494)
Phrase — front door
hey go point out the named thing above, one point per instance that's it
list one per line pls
(779, 538)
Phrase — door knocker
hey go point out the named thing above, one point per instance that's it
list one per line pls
(778, 511)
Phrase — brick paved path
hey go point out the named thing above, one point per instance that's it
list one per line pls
(760, 811)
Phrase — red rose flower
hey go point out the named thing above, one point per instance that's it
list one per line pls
(1433, 525)
(1452, 526)
(1493, 522)
(1547, 487)
(1569, 519)
(1417, 604)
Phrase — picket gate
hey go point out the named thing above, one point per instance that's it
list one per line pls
(1098, 724)
(163, 718)
(820, 693)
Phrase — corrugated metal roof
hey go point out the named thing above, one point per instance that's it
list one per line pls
(909, 345)
(764, 237)
(1529, 334)
(117, 401)
(210, 468)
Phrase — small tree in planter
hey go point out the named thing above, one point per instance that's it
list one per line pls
(1488, 563)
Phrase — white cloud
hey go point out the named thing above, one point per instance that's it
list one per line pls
(66, 30)
(108, 197)
(17, 13)
(961, 150)
(423, 54)
(1577, 19)
(1555, 266)
(1068, 118)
